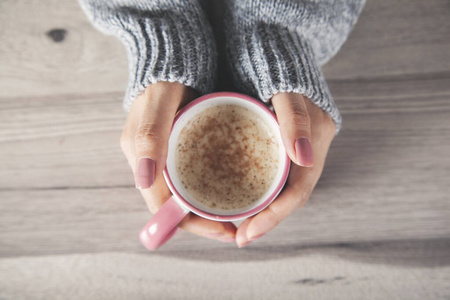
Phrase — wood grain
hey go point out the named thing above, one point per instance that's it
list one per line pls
(389, 145)
(62, 142)
(376, 227)
(59, 135)
(395, 38)
(132, 276)
(404, 37)
(33, 64)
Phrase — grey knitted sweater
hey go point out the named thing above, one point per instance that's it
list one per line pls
(272, 45)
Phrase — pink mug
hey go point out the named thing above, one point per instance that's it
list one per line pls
(163, 225)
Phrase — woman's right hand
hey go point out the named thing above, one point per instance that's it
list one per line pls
(144, 142)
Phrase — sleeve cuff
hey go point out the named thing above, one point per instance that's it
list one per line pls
(174, 45)
(268, 60)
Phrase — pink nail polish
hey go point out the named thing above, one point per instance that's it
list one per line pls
(304, 152)
(145, 173)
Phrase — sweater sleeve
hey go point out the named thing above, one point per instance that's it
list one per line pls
(279, 46)
(165, 41)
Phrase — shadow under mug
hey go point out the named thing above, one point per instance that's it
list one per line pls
(163, 225)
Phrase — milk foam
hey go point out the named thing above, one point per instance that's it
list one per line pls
(227, 157)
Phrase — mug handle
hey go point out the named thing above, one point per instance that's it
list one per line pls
(163, 225)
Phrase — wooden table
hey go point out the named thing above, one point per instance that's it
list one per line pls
(376, 227)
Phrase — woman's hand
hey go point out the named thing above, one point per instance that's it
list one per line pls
(307, 132)
(144, 142)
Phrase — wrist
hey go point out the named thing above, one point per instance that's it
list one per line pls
(278, 60)
(171, 95)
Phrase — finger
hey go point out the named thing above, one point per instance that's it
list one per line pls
(296, 193)
(222, 231)
(295, 127)
(241, 234)
(156, 115)
(269, 218)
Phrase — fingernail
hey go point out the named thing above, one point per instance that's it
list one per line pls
(244, 244)
(256, 237)
(227, 239)
(145, 173)
(304, 152)
(214, 235)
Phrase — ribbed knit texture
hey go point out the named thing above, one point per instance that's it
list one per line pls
(272, 45)
(165, 41)
(278, 46)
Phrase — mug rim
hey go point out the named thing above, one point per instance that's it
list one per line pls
(238, 216)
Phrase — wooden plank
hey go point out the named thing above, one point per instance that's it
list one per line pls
(405, 37)
(71, 220)
(385, 179)
(33, 64)
(311, 274)
(395, 38)
(45, 222)
(44, 136)
(61, 142)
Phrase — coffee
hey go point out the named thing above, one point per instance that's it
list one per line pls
(227, 157)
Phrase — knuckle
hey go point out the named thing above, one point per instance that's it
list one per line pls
(299, 119)
(146, 134)
(273, 216)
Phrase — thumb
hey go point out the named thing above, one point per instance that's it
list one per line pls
(295, 127)
(160, 103)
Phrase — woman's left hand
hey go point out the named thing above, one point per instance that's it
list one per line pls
(144, 142)
(307, 132)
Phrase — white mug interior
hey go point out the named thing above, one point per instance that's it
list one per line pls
(191, 113)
